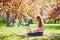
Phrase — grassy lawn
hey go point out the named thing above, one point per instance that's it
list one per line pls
(8, 33)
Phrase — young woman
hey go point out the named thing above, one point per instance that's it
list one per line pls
(40, 25)
(40, 30)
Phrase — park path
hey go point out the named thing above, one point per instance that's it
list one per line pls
(52, 24)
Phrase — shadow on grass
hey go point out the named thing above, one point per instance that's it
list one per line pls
(10, 37)
(13, 37)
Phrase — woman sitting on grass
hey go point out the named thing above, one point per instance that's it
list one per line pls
(39, 31)
(40, 25)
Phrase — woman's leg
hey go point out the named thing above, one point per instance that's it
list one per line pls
(35, 34)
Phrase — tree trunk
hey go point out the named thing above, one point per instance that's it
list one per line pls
(55, 21)
(8, 23)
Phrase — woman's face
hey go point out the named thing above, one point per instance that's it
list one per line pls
(38, 19)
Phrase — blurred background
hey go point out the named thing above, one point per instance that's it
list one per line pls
(28, 10)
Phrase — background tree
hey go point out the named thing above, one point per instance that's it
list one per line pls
(29, 8)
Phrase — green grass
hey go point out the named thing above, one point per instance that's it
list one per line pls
(8, 33)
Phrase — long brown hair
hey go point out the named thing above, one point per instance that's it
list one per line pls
(39, 21)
